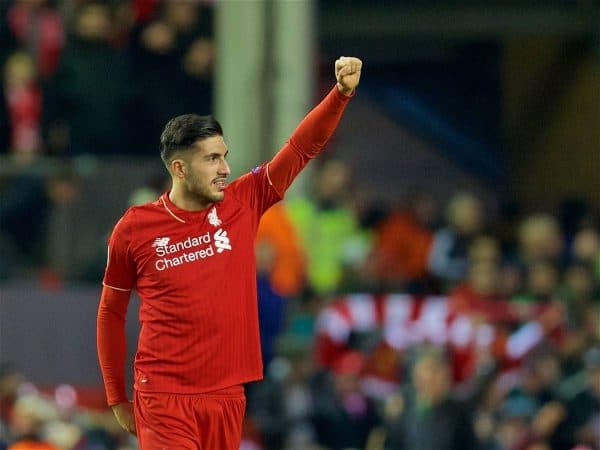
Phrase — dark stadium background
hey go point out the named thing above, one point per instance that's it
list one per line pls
(465, 172)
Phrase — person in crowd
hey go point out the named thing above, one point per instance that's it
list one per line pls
(581, 426)
(189, 21)
(154, 185)
(195, 77)
(401, 244)
(448, 256)
(271, 305)
(48, 40)
(287, 271)
(583, 310)
(540, 239)
(23, 100)
(89, 97)
(329, 228)
(478, 301)
(426, 415)
(343, 416)
(27, 201)
(586, 246)
(28, 419)
(541, 290)
(160, 52)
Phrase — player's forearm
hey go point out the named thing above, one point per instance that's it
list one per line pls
(316, 128)
(308, 140)
(111, 342)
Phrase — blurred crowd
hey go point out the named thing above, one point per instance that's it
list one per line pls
(100, 77)
(413, 325)
(423, 326)
(451, 324)
(88, 78)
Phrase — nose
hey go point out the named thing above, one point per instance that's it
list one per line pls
(224, 168)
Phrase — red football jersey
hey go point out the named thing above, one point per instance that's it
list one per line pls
(195, 275)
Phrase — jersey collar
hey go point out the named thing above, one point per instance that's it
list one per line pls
(181, 215)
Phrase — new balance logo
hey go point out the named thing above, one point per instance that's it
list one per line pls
(213, 219)
(222, 241)
(161, 242)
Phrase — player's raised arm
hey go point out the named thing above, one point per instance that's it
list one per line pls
(316, 128)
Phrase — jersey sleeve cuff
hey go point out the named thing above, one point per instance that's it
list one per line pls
(343, 97)
(116, 401)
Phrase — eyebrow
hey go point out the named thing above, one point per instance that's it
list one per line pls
(213, 154)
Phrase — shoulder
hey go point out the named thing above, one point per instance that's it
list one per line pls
(134, 215)
(252, 176)
(245, 183)
(142, 213)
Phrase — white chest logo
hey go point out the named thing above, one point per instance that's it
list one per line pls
(161, 242)
(222, 241)
(213, 219)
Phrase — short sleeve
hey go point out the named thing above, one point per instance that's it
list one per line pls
(120, 269)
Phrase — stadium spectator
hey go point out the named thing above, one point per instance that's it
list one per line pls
(176, 45)
(511, 279)
(583, 410)
(581, 294)
(23, 99)
(586, 246)
(153, 54)
(38, 29)
(542, 283)
(27, 201)
(287, 270)
(94, 119)
(448, 257)
(189, 20)
(540, 239)
(266, 408)
(271, 305)
(343, 416)
(195, 76)
(485, 249)
(425, 415)
(29, 416)
(23, 213)
(152, 188)
(512, 431)
(329, 228)
(401, 244)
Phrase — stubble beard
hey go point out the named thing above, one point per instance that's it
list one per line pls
(203, 191)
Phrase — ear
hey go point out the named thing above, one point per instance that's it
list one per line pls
(178, 168)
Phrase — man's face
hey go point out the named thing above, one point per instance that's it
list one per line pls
(205, 169)
(431, 379)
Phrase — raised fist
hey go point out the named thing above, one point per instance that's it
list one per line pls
(347, 73)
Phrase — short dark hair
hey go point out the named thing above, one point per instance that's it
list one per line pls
(181, 132)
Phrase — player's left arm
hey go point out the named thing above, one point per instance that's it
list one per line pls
(312, 134)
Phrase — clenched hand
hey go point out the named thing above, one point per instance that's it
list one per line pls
(347, 73)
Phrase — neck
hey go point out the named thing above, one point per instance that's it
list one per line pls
(186, 200)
